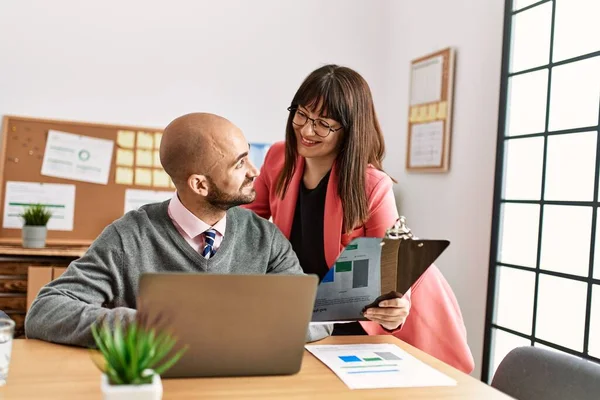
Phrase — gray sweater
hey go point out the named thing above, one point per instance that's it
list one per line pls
(104, 282)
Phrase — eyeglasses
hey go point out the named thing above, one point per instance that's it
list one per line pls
(320, 127)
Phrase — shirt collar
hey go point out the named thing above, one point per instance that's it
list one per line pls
(189, 223)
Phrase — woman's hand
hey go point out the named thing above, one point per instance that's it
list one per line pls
(390, 314)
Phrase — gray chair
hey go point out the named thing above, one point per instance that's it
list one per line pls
(532, 373)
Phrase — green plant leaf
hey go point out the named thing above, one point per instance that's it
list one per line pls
(149, 349)
(98, 359)
(161, 345)
(144, 349)
(119, 350)
(98, 339)
(107, 340)
(130, 350)
(132, 334)
(162, 351)
(98, 334)
(36, 215)
(168, 364)
(114, 378)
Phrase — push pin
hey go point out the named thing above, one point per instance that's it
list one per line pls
(30, 152)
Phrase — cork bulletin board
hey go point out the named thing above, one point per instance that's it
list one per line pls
(134, 164)
(430, 112)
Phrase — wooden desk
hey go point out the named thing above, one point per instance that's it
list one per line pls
(42, 370)
(14, 264)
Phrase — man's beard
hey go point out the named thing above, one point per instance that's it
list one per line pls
(224, 201)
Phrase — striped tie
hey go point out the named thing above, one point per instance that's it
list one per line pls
(209, 241)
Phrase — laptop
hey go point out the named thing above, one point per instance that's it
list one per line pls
(234, 325)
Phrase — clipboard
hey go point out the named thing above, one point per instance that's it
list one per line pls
(370, 270)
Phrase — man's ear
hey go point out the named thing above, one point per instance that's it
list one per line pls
(198, 184)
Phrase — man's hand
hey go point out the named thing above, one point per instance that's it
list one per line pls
(390, 314)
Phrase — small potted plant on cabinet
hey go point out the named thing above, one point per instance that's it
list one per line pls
(35, 218)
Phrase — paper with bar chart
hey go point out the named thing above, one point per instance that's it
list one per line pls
(352, 283)
(58, 198)
(372, 366)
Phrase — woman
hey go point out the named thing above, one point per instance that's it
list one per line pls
(325, 186)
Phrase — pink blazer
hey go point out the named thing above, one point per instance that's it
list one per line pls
(435, 323)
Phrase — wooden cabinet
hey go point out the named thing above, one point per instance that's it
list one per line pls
(14, 269)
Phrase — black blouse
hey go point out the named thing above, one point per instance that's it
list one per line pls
(307, 229)
(307, 240)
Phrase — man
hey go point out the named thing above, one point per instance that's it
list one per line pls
(199, 230)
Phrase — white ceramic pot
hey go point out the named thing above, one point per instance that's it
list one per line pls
(151, 391)
(34, 237)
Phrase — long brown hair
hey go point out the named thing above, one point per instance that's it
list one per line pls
(344, 96)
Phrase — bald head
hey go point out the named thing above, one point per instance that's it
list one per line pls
(195, 144)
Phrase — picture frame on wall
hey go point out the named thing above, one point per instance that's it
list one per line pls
(430, 112)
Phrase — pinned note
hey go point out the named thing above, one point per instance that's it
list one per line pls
(125, 157)
(160, 178)
(145, 140)
(421, 113)
(58, 198)
(77, 157)
(124, 176)
(442, 110)
(157, 139)
(413, 114)
(157, 159)
(143, 177)
(432, 112)
(126, 139)
(143, 158)
(417, 113)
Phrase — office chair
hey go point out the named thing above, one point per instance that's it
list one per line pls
(532, 373)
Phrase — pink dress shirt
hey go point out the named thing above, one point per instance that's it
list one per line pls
(192, 227)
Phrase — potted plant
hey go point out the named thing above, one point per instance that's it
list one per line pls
(129, 355)
(34, 232)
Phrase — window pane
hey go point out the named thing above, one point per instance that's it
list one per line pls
(531, 38)
(526, 107)
(523, 168)
(561, 311)
(594, 344)
(576, 28)
(570, 166)
(575, 95)
(514, 299)
(519, 234)
(566, 237)
(543, 346)
(518, 4)
(502, 344)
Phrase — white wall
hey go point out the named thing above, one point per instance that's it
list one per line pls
(456, 205)
(145, 62)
